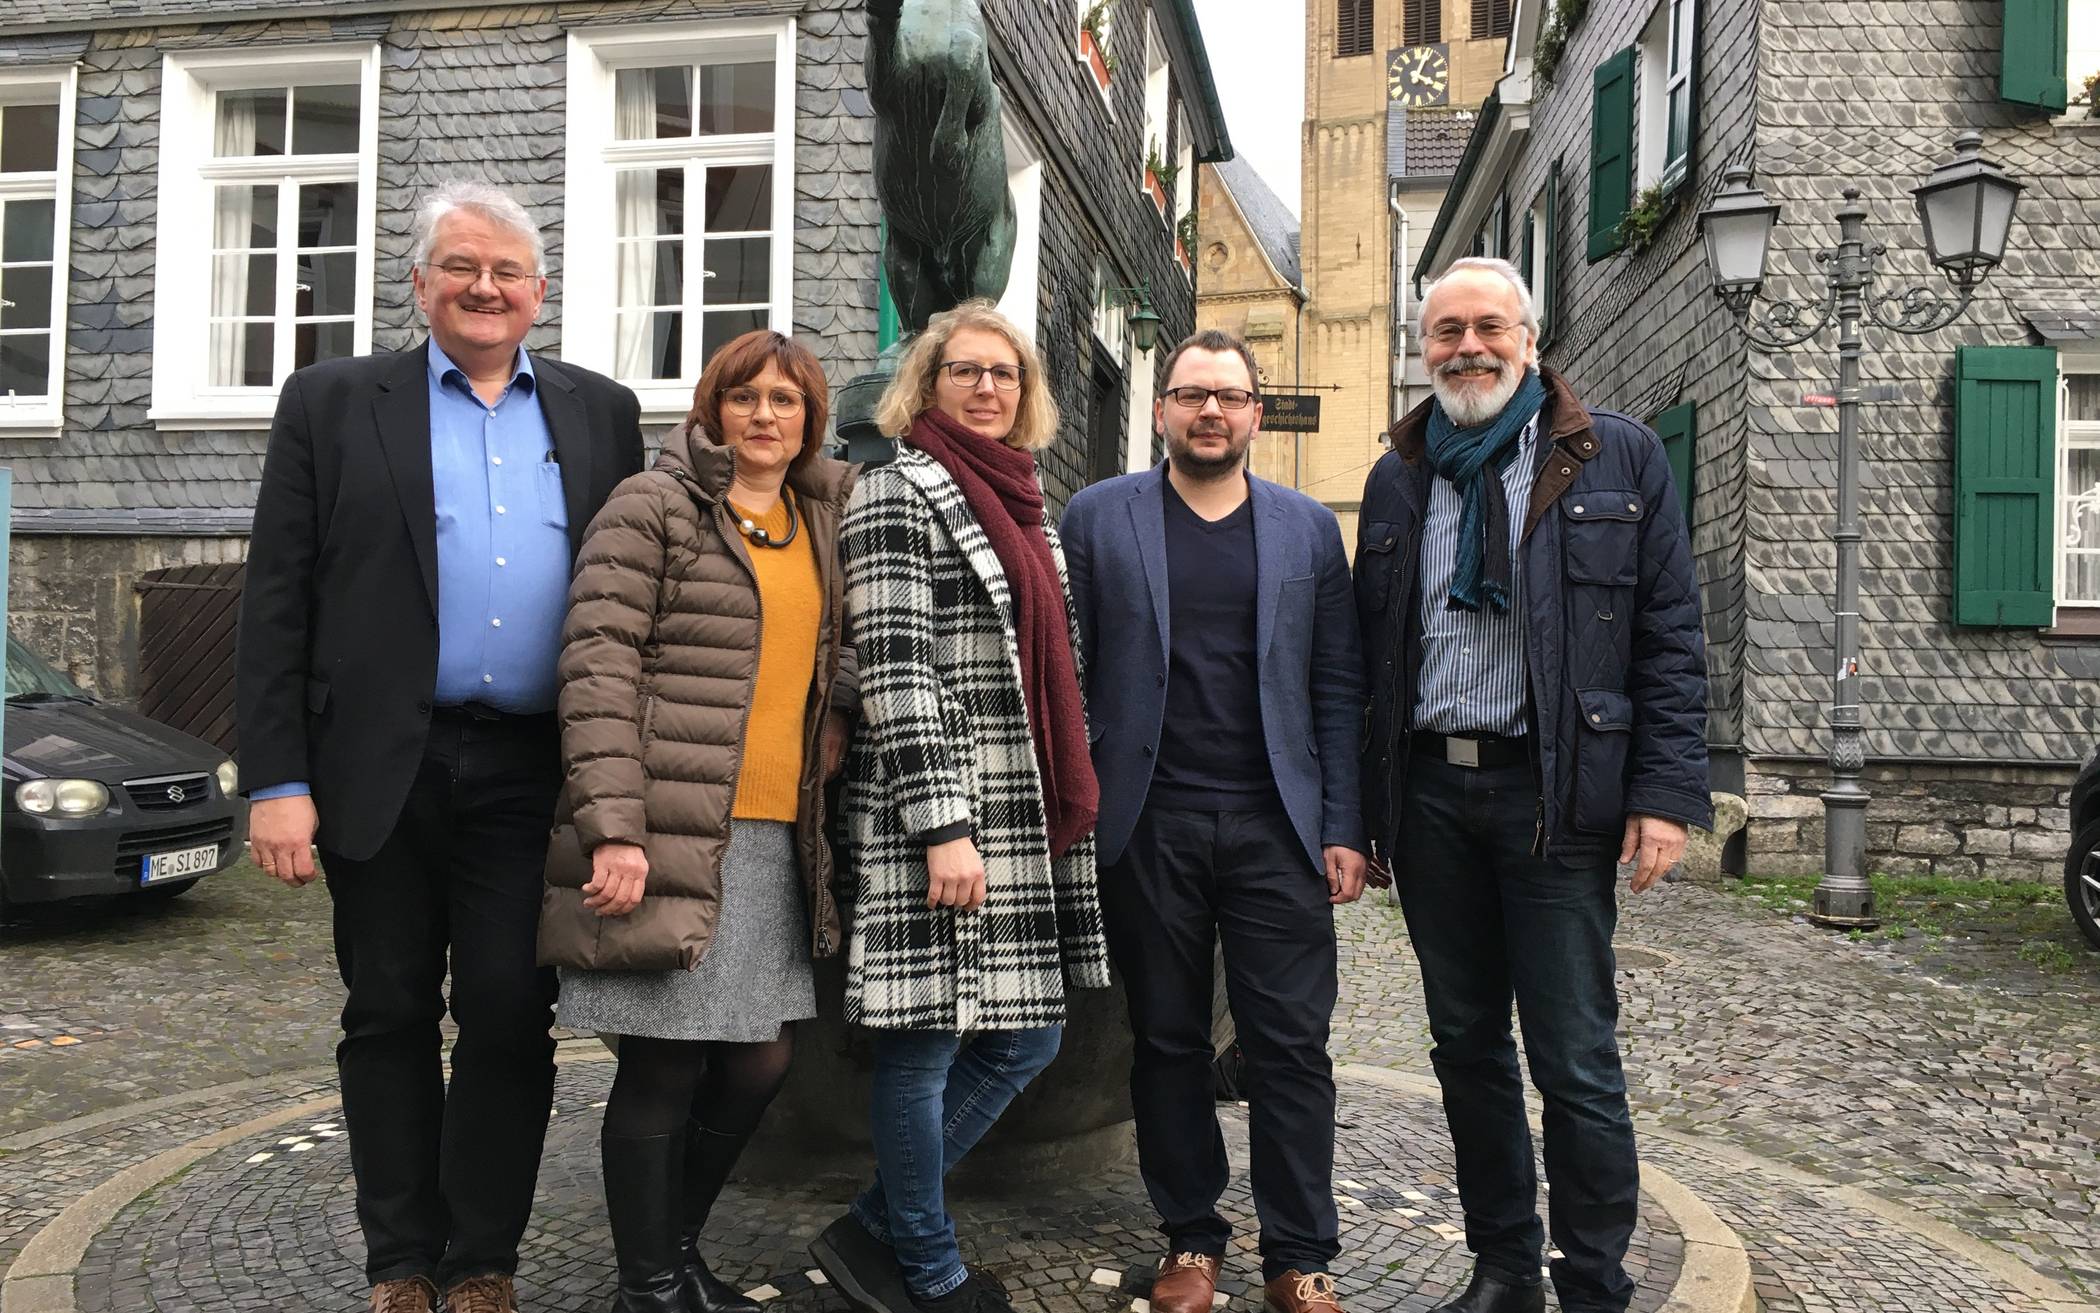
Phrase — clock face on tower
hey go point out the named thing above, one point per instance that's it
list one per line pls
(1419, 76)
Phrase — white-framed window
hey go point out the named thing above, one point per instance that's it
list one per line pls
(679, 198)
(1158, 83)
(1093, 38)
(1184, 180)
(2081, 48)
(263, 260)
(36, 152)
(1665, 112)
(2078, 485)
(1024, 181)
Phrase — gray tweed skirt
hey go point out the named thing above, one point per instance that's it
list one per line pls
(754, 977)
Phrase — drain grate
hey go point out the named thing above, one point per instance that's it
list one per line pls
(1640, 959)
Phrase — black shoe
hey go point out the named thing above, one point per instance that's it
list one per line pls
(977, 1294)
(861, 1268)
(709, 1158)
(1486, 1293)
(641, 1200)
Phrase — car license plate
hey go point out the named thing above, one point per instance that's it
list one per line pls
(155, 868)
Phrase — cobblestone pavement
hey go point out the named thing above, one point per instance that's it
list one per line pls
(1972, 1102)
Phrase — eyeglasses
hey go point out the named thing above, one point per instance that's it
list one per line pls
(1192, 398)
(1452, 332)
(965, 374)
(505, 276)
(744, 400)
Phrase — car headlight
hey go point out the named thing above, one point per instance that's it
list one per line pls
(229, 779)
(71, 798)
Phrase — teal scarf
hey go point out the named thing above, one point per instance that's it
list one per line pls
(1473, 460)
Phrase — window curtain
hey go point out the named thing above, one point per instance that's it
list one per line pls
(634, 216)
(231, 228)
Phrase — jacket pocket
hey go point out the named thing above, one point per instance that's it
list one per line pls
(554, 507)
(1602, 532)
(316, 696)
(1375, 566)
(1602, 743)
(648, 716)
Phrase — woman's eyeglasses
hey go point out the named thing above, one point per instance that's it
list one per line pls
(741, 401)
(965, 374)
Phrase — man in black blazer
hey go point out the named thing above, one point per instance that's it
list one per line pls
(407, 579)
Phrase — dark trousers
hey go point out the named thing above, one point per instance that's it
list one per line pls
(445, 1178)
(1189, 880)
(1491, 923)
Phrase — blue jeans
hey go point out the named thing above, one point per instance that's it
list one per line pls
(935, 1096)
(1490, 924)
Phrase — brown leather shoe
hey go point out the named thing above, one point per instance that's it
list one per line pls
(491, 1293)
(1301, 1292)
(1185, 1283)
(408, 1295)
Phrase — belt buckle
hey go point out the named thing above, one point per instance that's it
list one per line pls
(1462, 752)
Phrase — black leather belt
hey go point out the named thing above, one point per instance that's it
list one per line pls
(1478, 751)
(480, 713)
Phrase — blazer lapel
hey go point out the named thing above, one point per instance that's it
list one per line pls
(401, 412)
(571, 432)
(1269, 565)
(1148, 515)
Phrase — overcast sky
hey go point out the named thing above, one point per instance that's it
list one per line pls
(1257, 53)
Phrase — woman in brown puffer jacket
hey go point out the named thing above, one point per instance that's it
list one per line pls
(703, 699)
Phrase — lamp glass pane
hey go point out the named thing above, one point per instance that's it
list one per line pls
(1997, 220)
(1736, 245)
(1950, 222)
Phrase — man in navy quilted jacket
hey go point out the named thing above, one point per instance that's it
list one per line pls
(1530, 621)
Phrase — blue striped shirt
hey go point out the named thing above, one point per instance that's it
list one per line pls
(1473, 679)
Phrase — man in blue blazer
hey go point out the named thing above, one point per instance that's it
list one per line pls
(1224, 696)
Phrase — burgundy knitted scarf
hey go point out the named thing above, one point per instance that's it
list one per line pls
(999, 484)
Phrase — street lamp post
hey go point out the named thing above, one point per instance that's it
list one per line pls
(1966, 207)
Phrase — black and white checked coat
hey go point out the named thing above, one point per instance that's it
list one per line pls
(944, 741)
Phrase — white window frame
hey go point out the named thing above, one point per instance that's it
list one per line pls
(589, 283)
(43, 416)
(1673, 25)
(190, 84)
(2081, 53)
(1184, 200)
(2085, 433)
(1024, 181)
(1159, 74)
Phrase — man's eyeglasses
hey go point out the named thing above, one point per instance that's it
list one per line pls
(1192, 398)
(1451, 332)
(965, 374)
(464, 273)
(742, 401)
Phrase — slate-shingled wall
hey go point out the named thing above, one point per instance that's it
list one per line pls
(480, 92)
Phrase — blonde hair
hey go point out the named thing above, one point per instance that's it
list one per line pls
(911, 391)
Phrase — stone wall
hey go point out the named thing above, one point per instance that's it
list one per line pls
(1989, 822)
(73, 599)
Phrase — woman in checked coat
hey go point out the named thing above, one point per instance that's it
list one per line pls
(970, 796)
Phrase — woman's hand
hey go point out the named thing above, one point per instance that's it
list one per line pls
(836, 732)
(954, 875)
(618, 872)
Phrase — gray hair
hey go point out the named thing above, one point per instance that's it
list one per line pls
(1507, 271)
(491, 203)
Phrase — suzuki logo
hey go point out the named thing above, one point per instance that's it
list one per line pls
(175, 793)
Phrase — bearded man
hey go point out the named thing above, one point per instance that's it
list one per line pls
(1530, 620)
(1224, 698)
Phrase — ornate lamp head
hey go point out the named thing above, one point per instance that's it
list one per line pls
(1737, 229)
(1966, 207)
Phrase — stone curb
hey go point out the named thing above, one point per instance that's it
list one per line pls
(1715, 1275)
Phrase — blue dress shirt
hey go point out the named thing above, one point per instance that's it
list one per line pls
(502, 545)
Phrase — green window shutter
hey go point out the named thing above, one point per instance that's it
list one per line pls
(1525, 260)
(2036, 50)
(2004, 485)
(888, 327)
(1677, 427)
(1611, 151)
(1549, 259)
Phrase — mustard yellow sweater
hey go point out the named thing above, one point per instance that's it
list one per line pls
(790, 607)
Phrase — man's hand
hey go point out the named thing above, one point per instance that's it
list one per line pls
(836, 732)
(1345, 873)
(618, 873)
(281, 837)
(1659, 845)
(954, 875)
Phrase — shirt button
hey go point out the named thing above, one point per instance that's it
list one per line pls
(501, 511)
(495, 460)
(488, 679)
(495, 624)
(501, 561)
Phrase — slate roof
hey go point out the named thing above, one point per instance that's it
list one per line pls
(73, 15)
(1425, 143)
(2063, 327)
(1273, 225)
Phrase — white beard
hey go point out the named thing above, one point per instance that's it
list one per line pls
(1469, 407)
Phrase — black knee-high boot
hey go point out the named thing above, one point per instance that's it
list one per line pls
(642, 1175)
(709, 1158)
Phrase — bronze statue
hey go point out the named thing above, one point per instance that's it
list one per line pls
(940, 156)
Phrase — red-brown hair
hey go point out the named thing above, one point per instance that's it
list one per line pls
(746, 358)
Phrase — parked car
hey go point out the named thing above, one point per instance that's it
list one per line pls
(2082, 863)
(98, 800)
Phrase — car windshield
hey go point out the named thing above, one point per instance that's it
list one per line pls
(29, 678)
